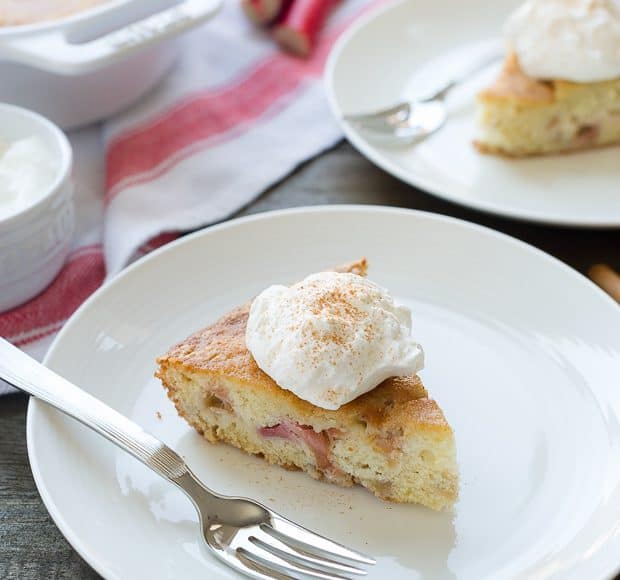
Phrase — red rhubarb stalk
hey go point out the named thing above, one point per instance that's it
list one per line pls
(300, 24)
(263, 12)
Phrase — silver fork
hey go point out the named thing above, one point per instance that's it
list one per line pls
(245, 534)
(413, 120)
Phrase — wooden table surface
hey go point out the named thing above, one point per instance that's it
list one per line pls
(30, 544)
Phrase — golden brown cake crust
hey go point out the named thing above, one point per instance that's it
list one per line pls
(486, 149)
(512, 83)
(220, 350)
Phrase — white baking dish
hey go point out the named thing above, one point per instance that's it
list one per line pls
(84, 68)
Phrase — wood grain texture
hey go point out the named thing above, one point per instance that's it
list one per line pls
(30, 544)
(31, 547)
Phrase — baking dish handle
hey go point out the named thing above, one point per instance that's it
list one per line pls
(52, 51)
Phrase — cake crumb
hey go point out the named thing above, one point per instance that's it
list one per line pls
(158, 415)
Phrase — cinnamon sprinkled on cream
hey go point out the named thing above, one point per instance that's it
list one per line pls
(331, 338)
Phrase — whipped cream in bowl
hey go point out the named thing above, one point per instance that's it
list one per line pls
(28, 169)
(575, 40)
(36, 204)
(331, 337)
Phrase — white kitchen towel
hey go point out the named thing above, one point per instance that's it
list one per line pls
(233, 117)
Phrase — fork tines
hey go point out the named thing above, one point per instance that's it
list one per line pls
(283, 549)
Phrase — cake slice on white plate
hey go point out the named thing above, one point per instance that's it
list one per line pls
(559, 89)
(393, 438)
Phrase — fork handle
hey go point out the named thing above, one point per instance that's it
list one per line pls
(442, 92)
(23, 372)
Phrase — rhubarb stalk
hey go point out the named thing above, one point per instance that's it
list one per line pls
(607, 278)
(264, 12)
(300, 24)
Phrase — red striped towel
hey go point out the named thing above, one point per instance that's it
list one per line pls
(235, 116)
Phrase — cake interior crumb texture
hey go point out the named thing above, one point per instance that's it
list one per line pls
(394, 440)
(519, 116)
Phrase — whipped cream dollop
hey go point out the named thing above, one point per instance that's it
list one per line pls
(576, 40)
(331, 337)
(27, 171)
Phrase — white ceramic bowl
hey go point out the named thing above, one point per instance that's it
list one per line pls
(35, 242)
(93, 64)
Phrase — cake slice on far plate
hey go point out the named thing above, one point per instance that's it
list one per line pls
(520, 116)
(393, 439)
(559, 89)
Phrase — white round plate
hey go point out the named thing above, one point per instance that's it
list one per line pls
(522, 353)
(407, 48)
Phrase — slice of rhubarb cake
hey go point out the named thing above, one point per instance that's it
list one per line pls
(393, 439)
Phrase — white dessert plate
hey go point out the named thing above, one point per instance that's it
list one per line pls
(407, 48)
(522, 353)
